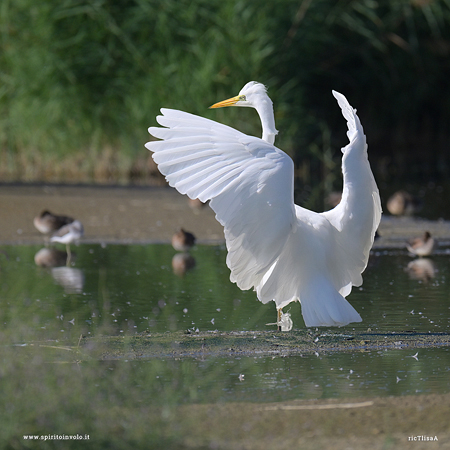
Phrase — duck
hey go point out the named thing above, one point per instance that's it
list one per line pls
(421, 246)
(183, 240)
(402, 203)
(48, 223)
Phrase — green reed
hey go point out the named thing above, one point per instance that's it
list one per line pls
(80, 81)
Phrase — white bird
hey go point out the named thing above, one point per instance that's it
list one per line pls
(283, 251)
(67, 234)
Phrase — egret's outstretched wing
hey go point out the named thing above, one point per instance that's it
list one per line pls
(249, 183)
(359, 213)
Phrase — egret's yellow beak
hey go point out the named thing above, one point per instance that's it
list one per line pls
(229, 102)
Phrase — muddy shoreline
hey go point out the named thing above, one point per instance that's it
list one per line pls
(250, 343)
(115, 214)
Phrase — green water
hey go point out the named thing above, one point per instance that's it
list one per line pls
(133, 288)
(127, 289)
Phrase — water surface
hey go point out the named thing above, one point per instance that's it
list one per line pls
(127, 289)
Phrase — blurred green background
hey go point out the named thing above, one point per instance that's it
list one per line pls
(82, 80)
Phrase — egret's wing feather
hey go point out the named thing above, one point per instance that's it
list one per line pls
(284, 252)
(249, 183)
(359, 213)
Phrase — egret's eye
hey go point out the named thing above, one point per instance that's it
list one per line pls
(242, 98)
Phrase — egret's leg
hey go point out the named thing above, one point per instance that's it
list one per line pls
(279, 314)
(69, 255)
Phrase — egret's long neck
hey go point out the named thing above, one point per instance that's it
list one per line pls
(265, 111)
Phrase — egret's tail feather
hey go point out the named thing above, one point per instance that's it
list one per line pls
(324, 306)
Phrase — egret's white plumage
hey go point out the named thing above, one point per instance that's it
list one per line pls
(283, 251)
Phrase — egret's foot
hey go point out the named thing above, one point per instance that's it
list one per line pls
(284, 321)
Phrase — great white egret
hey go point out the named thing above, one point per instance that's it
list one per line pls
(67, 234)
(281, 250)
(421, 246)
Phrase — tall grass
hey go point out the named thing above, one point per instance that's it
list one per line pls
(82, 80)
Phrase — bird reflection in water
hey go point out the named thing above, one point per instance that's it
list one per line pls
(182, 262)
(421, 269)
(50, 257)
(70, 278)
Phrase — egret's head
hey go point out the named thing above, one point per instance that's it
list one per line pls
(248, 96)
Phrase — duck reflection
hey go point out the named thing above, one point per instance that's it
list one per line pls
(50, 257)
(70, 278)
(182, 262)
(422, 269)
